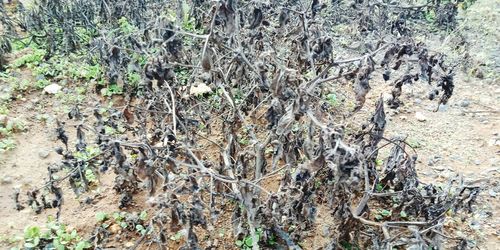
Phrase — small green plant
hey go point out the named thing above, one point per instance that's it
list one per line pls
(125, 26)
(57, 236)
(430, 15)
(143, 216)
(383, 213)
(331, 99)
(349, 246)
(89, 153)
(140, 229)
(177, 236)
(19, 44)
(42, 83)
(247, 242)
(244, 141)
(403, 215)
(119, 218)
(31, 59)
(134, 79)
(112, 89)
(101, 216)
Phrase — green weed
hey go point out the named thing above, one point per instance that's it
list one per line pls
(31, 59)
(55, 237)
(7, 144)
(247, 242)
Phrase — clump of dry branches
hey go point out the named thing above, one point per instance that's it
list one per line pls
(233, 94)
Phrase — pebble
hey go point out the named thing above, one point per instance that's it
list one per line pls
(404, 118)
(475, 225)
(442, 107)
(417, 101)
(53, 88)
(115, 228)
(387, 97)
(420, 117)
(43, 154)
(464, 103)
(492, 193)
(325, 231)
(477, 162)
(6, 180)
(129, 244)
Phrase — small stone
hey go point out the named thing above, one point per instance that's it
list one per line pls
(417, 101)
(129, 244)
(43, 154)
(475, 225)
(6, 180)
(115, 228)
(477, 72)
(52, 89)
(477, 162)
(200, 89)
(464, 103)
(442, 107)
(492, 193)
(325, 231)
(420, 117)
(404, 118)
(387, 97)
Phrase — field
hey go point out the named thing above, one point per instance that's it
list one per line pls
(238, 124)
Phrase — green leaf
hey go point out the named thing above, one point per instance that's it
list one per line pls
(403, 214)
(385, 213)
(249, 241)
(31, 232)
(82, 245)
(379, 187)
(332, 99)
(116, 216)
(143, 216)
(139, 227)
(239, 243)
(346, 245)
(123, 224)
(101, 216)
(29, 245)
(58, 245)
(89, 174)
